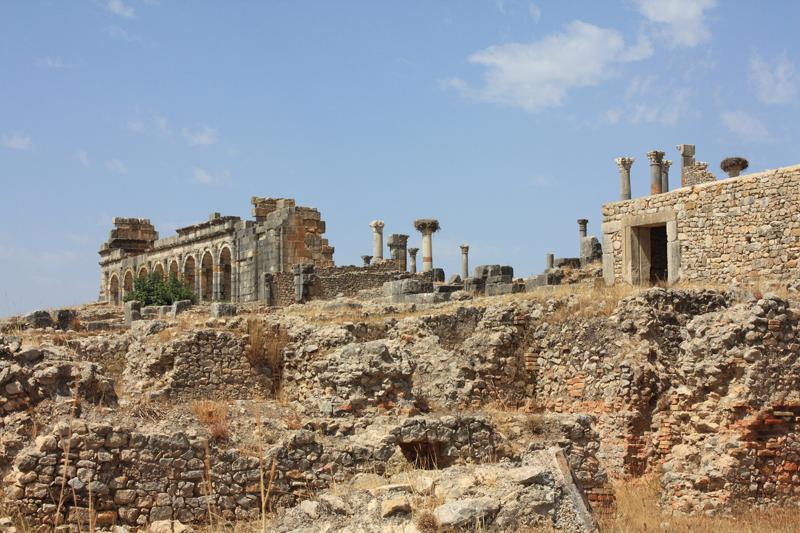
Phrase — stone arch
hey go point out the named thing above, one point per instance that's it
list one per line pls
(174, 269)
(189, 270)
(225, 273)
(159, 269)
(113, 290)
(142, 271)
(127, 283)
(207, 277)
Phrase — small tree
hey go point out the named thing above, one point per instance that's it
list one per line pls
(153, 289)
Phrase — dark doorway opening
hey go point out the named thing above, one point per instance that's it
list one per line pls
(658, 254)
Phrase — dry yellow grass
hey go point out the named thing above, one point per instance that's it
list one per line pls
(637, 511)
(214, 416)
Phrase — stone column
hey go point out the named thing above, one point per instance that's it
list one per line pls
(464, 262)
(367, 259)
(624, 164)
(397, 249)
(655, 157)
(549, 261)
(216, 285)
(582, 223)
(412, 252)
(377, 240)
(687, 159)
(733, 166)
(427, 226)
(665, 164)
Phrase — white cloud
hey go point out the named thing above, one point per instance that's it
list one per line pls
(53, 63)
(679, 23)
(536, 76)
(666, 110)
(116, 166)
(203, 136)
(773, 84)
(205, 177)
(612, 116)
(745, 125)
(118, 7)
(120, 34)
(152, 122)
(16, 141)
(83, 157)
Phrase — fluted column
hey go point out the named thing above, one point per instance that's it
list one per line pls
(412, 266)
(464, 261)
(655, 157)
(665, 164)
(377, 240)
(624, 164)
(427, 227)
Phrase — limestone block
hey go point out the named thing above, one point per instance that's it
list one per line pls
(608, 268)
(179, 307)
(222, 309)
(133, 311)
(39, 319)
(673, 261)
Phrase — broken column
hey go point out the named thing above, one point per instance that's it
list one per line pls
(427, 226)
(733, 166)
(377, 240)
(412, 252)
(687, 159)
(464, 261)
(589, 247)
(665, 164)
(624, 164)
(548, 261)
(367, 259)
(655, 157)
(397, 249)
(582, 223)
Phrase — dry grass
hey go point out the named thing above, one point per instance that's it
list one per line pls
(214, 416)
(265, 349)
(637, 511)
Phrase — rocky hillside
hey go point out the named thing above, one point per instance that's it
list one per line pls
(501, 413)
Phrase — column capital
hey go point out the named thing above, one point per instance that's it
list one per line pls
(624, 163)
(413, 251)
(655, 157)
(583, 221)
(426, 225)
(665, 164)
(464, 248)
(377, 226)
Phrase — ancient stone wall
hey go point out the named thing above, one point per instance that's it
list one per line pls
(222, 259)
(200, 364)
(736, 229)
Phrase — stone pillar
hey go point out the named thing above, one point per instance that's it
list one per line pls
(427, 226)
(665, 164)
(655, 157)
(624, 164)
(216, 284)
(582, 223)
(367, 259)
(377, 240)
(412, 252)
(733, 166)
(464, 262)
(549, 261)
(397, 249)
(687, 159)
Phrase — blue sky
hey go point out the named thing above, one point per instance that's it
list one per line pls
(500, 118)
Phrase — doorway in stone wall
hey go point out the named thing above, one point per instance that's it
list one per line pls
(648, 254)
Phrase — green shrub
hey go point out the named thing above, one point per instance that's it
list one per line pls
(155, 290)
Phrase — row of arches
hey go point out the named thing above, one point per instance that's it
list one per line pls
(210, 281)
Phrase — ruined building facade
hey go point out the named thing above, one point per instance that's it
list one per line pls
(738, 229)
(222, 259)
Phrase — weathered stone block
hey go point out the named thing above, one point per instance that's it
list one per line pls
(222, 309)
(39, 319)
(133, 311)
(179, 307)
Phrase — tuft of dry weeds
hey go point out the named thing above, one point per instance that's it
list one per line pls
(214, 416)
(265, 349)
(637, 511)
